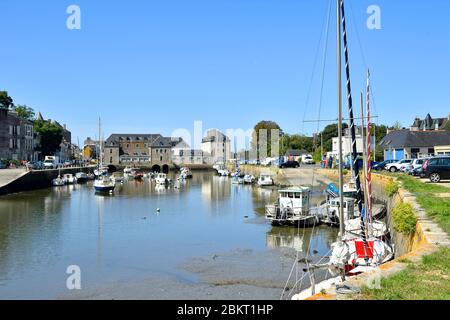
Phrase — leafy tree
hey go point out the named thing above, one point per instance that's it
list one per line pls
(50, 137)
(6, 101)
(24, 112)
(259, 138)
(296, 142)
(447, 127)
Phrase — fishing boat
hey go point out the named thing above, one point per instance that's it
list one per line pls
(265, 180)
(81, 177)
(69, 178)
(292, 208)
(161, 179)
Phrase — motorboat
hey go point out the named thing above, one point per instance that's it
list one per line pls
(69, 178)
(127, 170)
(292, 208)
(223, 172)
(249, 179)
(104, 183)
(161, 179)
(186, 173)
(81, 177)
(265, 180)
(58, 182)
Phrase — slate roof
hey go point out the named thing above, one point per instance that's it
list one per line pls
(296, 153)
(154, 140)
(415, 139)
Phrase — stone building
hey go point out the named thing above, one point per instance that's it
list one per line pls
(16, 137)
(140, 149)
(217, 146)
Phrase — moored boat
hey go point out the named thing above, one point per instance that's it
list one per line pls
(265, 180)
(69, 178)
(292, 208)
(81, 177)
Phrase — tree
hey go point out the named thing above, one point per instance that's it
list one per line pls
(262, 136)
(24, 112)
(50, 137)
(397, 126)
(6, 101)
(296, 142)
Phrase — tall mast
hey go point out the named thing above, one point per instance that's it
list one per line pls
(100, 158)
(369, 146)
(339, 96)
(352, 130)
(365, 157)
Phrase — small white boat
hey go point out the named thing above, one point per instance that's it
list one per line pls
(223, 172)
(161, 179)
(265, 180)
(81, 177)
(58, 182)
(249, 179)
(69, 178)
(292, 208)
(127, 170)
(186, 172)
(104, 183)
(101, 171)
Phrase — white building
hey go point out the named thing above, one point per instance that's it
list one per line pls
(217, 145)
(347, 143)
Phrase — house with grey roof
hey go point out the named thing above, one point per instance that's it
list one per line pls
(430, 124)
(410, 144)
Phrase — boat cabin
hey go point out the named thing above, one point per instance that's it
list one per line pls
(296, 198)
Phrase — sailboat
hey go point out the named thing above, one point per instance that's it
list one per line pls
(103, 183)
(354, 252)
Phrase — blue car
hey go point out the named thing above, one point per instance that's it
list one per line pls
(380, 166)
(2, 165)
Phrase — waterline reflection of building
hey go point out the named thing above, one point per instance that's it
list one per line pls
(317, 239)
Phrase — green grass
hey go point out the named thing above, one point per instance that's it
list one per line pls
(436, 208)
(427, 280)
(405, 220)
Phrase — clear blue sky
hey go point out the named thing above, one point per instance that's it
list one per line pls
(154, 66)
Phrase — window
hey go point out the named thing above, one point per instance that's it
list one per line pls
(297, 195)
(137, 145)
(445, 162)
(110, 150)
(291, 195)
(160, 158)
(110, 160)
(128, 145)
(433, 162)
(431, 151)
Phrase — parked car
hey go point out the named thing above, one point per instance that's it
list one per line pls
(399, 165)
(308, 159)
(437, 169)
(382, 165)
(2, 165)
(289, 164)
(416, 164)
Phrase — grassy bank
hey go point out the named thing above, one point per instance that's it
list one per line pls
(430, 278)
(427, 280)
(437, 208)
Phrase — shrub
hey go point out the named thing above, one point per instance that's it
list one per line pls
(391, 189)
(404, 219)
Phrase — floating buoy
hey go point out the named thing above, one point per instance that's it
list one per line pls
(158, 210)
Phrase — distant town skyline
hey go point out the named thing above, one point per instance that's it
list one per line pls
(155, 67)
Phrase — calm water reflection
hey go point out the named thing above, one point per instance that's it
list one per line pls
(122, 237)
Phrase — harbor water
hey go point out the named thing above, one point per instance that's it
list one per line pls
(206, 240)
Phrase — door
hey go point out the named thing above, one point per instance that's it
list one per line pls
(399, 154)
(445, 168)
